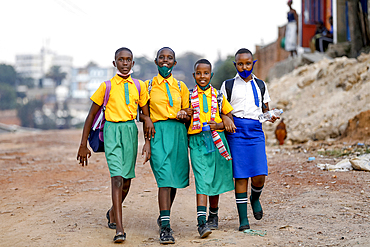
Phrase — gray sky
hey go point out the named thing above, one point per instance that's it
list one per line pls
(93, 30)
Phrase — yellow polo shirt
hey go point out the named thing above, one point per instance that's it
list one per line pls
(160, 108)
(117, 110)
(206, 117)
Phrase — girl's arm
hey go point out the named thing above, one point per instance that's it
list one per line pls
(148, 126)
(83, 151)
(228, 122)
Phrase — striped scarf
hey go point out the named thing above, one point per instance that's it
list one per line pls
(196, 120)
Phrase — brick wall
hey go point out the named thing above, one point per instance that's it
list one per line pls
(268, 55)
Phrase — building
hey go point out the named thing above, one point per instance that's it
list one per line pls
(36, 66)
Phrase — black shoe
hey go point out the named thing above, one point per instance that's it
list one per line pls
(165, 237)
(257, 215)
(212, 222)
(204, 231)
(110, 225)
(119, 237)
(242, 228)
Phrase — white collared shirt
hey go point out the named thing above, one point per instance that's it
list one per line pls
(242, 98)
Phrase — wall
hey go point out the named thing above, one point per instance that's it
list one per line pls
(269, 55)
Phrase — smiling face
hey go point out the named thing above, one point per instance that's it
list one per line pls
(124, 62)
(202, 74)
(165, 58)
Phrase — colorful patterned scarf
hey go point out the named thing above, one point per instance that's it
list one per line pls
(196, 120)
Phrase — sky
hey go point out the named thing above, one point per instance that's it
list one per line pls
(93, 30)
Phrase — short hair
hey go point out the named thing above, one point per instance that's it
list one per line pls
(203, 61)
(174, 56)
(243, 50)
(122, 49)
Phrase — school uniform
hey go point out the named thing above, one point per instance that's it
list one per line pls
(247, 144)
(120, 131)
(212, 172)
(169, 147)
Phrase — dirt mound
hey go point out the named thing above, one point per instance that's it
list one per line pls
(358, 127)
(319, 99)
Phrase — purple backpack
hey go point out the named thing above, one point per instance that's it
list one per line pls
(96, 135)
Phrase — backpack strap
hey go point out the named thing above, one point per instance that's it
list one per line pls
(262, 88)
(100, 116)
(138, 86)
(150, 85)
(229, 84)
(107, 92)
(220, 98)
(179, 85)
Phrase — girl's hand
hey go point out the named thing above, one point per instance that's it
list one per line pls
(213, 125)
(149, 129)
(189, 111)
(229, 124)
(146, 150)
(83, 154)
(181, 115)
(273, 119)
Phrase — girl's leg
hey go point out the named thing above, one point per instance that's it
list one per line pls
(213, 212)
(203, 229)
(256, 190)
(172, 195)
(241, 186)
(164, 201)
(125, 190)
(117, 185)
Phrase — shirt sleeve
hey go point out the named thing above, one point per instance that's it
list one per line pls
(184, 96)
(223, 90)
(266, 97)
(226, 107)
(144, 95)
(98, 96)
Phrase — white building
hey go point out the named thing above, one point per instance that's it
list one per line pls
(38, 65)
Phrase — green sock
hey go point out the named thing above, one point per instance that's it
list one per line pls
(165, 219)
(255, 196)
(241, 203)
(201, 213)
(213, 212)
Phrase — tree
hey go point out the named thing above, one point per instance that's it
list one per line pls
(358, 26)
(8, 97)
(56, 75)
(8, 74)
(224, 71)
(185, 64)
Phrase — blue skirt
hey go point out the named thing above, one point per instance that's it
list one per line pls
(247, 146)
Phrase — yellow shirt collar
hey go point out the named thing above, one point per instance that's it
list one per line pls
(207, 92)
(160, 79)
(119, 79)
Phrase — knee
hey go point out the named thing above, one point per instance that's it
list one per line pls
(241, 182)
(258, 181)
(117, 182)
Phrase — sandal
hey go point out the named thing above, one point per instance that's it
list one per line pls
(110, 225)
(119, 237)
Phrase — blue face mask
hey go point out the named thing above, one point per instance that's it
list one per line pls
(164, 71)
(206, 86)
(245, 73)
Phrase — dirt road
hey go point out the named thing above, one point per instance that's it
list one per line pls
(47, 199)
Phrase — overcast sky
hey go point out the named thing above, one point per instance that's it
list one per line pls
(91, 30)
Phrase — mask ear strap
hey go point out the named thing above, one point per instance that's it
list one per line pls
(212, 75)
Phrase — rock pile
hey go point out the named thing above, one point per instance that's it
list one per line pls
(319, 99)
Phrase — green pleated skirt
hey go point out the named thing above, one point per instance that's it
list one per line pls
(170, 158)
(213, 173)
(120, 144)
